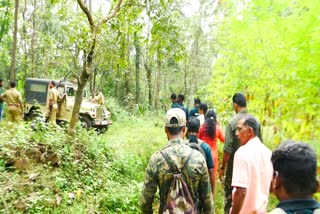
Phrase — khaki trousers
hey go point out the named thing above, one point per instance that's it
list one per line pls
(14, 113)
(53, 114)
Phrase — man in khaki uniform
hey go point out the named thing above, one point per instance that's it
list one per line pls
(53, 102)
(99, 98)
(14, 102)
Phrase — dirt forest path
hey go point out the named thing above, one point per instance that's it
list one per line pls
(140, 138)
(135, 135)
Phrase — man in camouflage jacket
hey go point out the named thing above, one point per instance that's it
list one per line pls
(195, 175)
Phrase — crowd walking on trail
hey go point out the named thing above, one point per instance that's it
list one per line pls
(186, 171)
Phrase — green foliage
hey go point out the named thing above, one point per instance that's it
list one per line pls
(270, 52)
(117, 113)
(6, 16)
(94, 173)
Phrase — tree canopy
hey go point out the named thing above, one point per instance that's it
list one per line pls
(149, 49)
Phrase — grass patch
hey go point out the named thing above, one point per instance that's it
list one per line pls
(93, 174)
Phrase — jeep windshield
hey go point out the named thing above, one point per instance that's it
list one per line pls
(71, 92)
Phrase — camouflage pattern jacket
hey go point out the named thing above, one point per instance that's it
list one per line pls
(195, 175)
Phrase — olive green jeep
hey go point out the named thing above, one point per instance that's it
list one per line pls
(91, 114)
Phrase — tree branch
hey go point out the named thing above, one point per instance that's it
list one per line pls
(112, 14)
(88, 14)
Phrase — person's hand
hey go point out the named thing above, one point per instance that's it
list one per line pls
(221, 173)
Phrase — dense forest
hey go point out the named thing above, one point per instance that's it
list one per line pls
(138, 52)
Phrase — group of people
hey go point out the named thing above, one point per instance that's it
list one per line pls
(208, 130)
(15, 106)
(249, 170)
(55, 97)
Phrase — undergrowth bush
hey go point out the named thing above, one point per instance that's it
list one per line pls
(89, 175)
(117, 113)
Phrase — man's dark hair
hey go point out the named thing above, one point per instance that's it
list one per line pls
(1, 80)
(193, 124)
(239, 99)
(203, 107)
(296, 163)
(181, 97)
(12, 84)
(173, 96)
(174, 130)
(253, 123)
(197, 101)
(53, 83)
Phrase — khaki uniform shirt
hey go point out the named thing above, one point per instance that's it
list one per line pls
(231, 142)
(12, 97)
(195, 175)
(100, 99)
(53, 95)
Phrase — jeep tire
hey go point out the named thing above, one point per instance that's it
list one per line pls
(85, 122)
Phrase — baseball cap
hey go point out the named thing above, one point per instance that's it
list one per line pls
(178, 114)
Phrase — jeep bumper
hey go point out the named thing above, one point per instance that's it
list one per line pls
(101, 123)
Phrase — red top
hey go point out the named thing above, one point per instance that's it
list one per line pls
(212, 142)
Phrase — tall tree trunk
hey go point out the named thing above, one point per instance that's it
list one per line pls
(122, 71)
(87, 68)
(116, 88)
(196, 65)
(24, 37)
(91, 85)
(33, 39)
(148, 70)
(92, 74)
(127, 71)
(146, 63)
(185, 77)
(158, 80)
(82, 80)
(137, 63)
(14, 45)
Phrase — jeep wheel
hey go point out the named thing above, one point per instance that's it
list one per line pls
(32, 116)
(37, 121)
(85, 122)
(102, 130)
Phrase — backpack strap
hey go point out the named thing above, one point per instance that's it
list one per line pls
(167, 159)
(199, 141)
(186, 163)
(171, 166)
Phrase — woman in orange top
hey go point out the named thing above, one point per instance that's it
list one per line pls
(209, 132)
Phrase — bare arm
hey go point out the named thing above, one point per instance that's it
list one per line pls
(238, 199)
(226, 157)
(212, 180)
